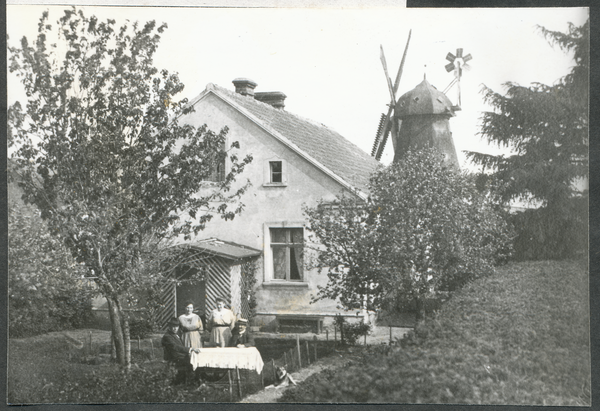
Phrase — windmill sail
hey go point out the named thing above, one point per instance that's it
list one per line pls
(384, 128)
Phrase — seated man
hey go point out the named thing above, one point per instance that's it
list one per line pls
(241, 336)
(176, 352)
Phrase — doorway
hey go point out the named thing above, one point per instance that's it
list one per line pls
(192, 288)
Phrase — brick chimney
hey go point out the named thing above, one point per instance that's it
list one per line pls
(274, 98)
(244, 86)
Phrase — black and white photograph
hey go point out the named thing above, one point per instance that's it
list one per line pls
(365, 203)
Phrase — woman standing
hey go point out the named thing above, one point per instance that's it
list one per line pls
(190, 325)
(222, 321)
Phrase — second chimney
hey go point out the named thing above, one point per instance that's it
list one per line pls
(274, 98)
(244, 86)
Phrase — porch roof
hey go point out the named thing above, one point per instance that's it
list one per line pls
(225, 249)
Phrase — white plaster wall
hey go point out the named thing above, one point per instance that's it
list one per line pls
(263, 204)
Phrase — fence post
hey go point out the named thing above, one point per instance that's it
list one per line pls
(91, 343)
(139, 344)
(298, 348)
(327, 334)
(307, 353)
(274, 370)
(152, 347)
(237, 371)
(316, 357)
(285, 363)
(335, 336)
(230, 387)
(390, 335)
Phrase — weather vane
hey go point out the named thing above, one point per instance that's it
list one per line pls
(457, 63)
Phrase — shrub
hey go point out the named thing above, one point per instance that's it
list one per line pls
(546, 233)
(518, 337)
(425, 230)
(46, 289)
(351, 332)
(140, 328)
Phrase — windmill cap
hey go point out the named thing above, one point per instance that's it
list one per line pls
(424, 99)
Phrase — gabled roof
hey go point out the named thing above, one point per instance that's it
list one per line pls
(322, 146)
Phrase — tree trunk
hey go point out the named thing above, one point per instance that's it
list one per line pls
(420, 308)
(127, 338)
(114, 311)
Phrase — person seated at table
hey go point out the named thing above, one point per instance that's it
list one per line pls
(176, 352)
(241, 336)
(191, 326)
(222, 321)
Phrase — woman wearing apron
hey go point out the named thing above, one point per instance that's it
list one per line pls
(191, 326)
(222, 321)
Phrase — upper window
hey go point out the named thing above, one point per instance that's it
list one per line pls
(276, 171)
(218, 172)
(287, 245)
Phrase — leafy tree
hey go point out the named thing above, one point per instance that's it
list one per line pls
(426, 230)
(546, 127)
(104, 157)
(46, 288)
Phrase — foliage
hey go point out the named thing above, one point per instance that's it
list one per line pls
(248, 286)
(351, 332)
(425, 229)
(541, 235)
(519, 337)
(72, 375)
(546, 128)
(104, 157)
(46, 289)
(141, 328)
(346, 245)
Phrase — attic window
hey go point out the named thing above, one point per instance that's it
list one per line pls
(276, 172)
(217, 173)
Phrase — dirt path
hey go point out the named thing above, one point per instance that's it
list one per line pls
(272, 394)
(377, 336)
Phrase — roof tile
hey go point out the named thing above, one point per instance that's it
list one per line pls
(323, 144)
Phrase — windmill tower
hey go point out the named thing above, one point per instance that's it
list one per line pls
(420, 117)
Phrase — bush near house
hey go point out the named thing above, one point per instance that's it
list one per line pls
(46, 289)
(520, 336)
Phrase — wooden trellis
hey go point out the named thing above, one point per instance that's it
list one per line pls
(219, 281)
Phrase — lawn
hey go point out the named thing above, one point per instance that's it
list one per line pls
(76, 367)
(519, 337)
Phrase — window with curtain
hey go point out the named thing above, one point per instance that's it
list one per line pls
(287, 245)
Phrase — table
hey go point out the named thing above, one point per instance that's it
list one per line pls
(244, 358)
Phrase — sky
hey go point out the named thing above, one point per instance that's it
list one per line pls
(327, 60)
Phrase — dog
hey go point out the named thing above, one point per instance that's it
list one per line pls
(283, 378)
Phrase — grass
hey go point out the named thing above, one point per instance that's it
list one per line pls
(52, 368)
(519, 337)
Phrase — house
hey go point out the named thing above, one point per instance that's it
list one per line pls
(296, 162)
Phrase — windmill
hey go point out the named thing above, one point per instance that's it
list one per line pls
(388, 122)
(420, 117)
(457, 63)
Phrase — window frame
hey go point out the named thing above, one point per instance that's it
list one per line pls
(269, 268)
(268, 177)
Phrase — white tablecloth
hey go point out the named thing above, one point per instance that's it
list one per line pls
(246, 358)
